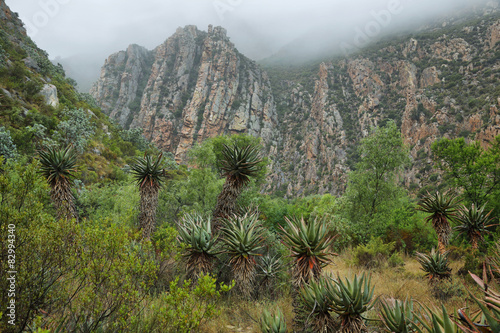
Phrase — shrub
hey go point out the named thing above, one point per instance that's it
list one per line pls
(374, 254)
(395, 260)
(184, 307)
(7, 147)
(446, 289)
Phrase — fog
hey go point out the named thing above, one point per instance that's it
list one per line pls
(82, 33)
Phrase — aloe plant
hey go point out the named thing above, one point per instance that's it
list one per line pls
(269, 269)
(435, 265)
(58, 166)
(242, 238)
(238, 165)
(317, 304)
(490, 309)
(309, 243)
(350, 300)
(397, 318)
(442, 208)
(434, 321)
(148, 173)
(196, 233)
(473, 223)
(272, 322)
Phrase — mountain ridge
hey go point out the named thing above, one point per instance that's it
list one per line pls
(311, 117)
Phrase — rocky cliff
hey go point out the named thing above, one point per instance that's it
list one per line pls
(194, 86)
(439, 82)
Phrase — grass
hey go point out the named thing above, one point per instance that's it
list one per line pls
(390, 283)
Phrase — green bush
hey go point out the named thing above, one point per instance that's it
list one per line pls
(184, 308)
(7, 147)
(395, 260)
(374, 254)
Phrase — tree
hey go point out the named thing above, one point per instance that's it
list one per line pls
(473, 169)
(372, 187)
(148, 173)
(58, 167)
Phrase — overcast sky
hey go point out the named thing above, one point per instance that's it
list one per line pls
(259, 28)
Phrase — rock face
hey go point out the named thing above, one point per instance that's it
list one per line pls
(196, 85)
(49, 93)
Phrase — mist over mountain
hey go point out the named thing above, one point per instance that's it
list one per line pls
(295, 31)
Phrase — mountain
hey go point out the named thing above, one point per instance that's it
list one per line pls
(439, 82)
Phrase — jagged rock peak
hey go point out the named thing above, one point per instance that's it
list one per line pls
(194, 86)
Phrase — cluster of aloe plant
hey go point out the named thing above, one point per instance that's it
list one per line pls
(337, 305)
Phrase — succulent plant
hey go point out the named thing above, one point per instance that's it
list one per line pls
(435, 265)
(269, 269)
(238, 165)
(317, 304)
(58, 166)
(309, 243)
(350, 299)
(397, 318)
(434, 321)
(242, 238)
(272, 322)
(442, 208)
(473, 223)
(196, 233)
(148, 173)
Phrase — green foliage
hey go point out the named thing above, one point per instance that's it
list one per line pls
(435, 265)
(90, 276)
(470, 167)
(374, 254)
(395, 260)
(397, 318)
(114, 201)
(189, 191)
(272, 322)
(7, 147)
(135, 136)
(77, 129)
(445, 289)
(372, 187)
(184, 308)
